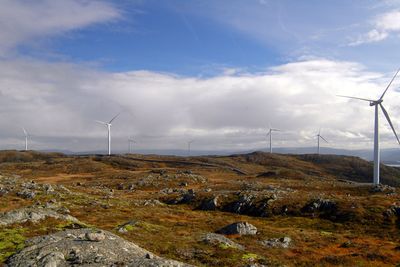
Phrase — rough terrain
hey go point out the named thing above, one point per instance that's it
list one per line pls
(242, 210)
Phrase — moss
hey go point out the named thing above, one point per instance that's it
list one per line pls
(11, 240)
(224, 246)
(71, 225)
(250, 256)
(129, 227)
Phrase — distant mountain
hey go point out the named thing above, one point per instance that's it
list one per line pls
(388, 156)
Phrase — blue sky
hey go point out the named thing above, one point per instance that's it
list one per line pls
(195, 37)
(215, 71)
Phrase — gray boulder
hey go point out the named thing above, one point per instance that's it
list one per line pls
(238, 228)
(283, 242)
(27, 194)
(32, 214)
(72, 247)
(217, 239)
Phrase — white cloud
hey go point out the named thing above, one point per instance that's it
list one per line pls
(22, 20)
(384, 25)
(58, 103)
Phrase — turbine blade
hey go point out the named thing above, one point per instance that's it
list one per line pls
(390, 122)
(115, 117)
(25, 132)
(101, 122)
(323, 139)
(358, 98)
(389, 84)
(268, 133)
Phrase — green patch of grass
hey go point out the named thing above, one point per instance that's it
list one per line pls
(250, 256)
(129, 227)
(224, 246)
(11, 240)
(71, 225)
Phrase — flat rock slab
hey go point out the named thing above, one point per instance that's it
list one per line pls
(86, 247)
(32, 214)
(217, 239)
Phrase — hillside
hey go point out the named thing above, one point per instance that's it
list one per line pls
(307, 209)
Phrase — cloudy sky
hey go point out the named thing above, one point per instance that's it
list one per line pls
(217, 72)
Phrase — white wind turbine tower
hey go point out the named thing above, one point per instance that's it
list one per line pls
(270, 137)
(189, 144)
(26, 138)
(108, 124)
(130, 142)
(319, 136)
(378, 103)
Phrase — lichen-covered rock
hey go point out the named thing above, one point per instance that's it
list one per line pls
(27, 194)
(381, 188)
(71, 248)
(217, 239)
(32, 214)
(283, 242)
(320, 205)
(238, 228)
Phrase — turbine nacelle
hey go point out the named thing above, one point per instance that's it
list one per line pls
(374, 103)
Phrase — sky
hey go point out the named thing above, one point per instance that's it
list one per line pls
(216, 72)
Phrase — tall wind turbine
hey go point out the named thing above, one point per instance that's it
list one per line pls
(270, 137)
(319, 136)
(130, 142)
(189, 144)
(26, 138)
(108, 124)
(378, 103)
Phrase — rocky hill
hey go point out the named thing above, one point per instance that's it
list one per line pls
(253, 209)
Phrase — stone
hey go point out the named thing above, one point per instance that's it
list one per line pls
(381, 188)
(209, 204)
(27, 194)
(66, 248)
(126, 227)
(217, 239)
(320, 205)
(53, 259)
(32, 214)
(283, 242)
(238, 228)
(95, 236)
(3, 191)
(48, 188)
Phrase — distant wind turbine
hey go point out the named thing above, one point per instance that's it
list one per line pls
(270, 137)
(378, 103)
(26, 138)
(319, 136)
(189, 144)
(130, 142)
(108, 124)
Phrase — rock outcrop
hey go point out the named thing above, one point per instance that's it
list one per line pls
(217, 239)
(32, 214)
(86, 247)
(238, 228)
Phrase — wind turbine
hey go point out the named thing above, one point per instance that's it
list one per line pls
(189, 144)
(378, 103)
(26, 138)
(319, 136)
(108, 124)
(270, 137)
(130, 141)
